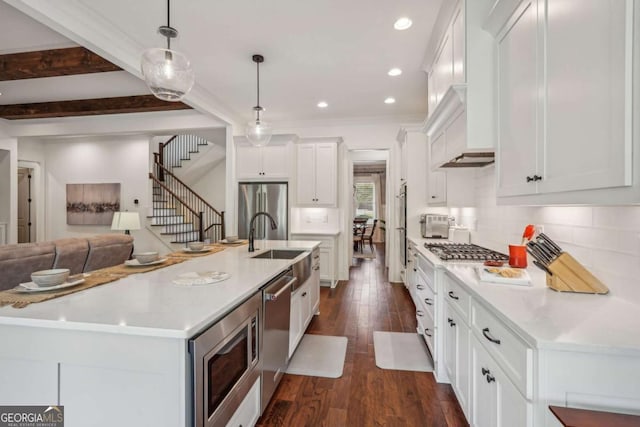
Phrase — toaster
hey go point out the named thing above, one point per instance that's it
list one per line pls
(434, 226)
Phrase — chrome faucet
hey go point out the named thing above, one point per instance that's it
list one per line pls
(252, 228)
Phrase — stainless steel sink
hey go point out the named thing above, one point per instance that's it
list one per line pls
(279, 254)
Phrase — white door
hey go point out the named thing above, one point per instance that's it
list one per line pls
(588, 62)
(449, 354)
(437, 188)
(484, 394)
(518, 83)
(25, 234)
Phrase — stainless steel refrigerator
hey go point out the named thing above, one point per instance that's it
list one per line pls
(268, 197)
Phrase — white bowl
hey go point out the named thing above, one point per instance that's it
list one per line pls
(46, 278)
(231, 239)
(146, 257)
(196, 246)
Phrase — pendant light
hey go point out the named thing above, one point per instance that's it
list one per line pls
(167, 73)
(258, 132)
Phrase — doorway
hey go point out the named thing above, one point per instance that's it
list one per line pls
(26, 225)
(369, 208)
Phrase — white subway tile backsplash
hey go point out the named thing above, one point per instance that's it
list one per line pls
(604, 239)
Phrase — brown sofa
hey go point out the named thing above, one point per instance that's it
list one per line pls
(18, 261)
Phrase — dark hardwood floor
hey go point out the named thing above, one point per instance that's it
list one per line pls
(365, 395)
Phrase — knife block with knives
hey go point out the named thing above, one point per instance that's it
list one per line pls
(564, 272)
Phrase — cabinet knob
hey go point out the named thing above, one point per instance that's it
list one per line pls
(490, 379)
(485, 371)
(534, 178)
(304, 294)
(529, 178)
(433, 197)
(451, 322)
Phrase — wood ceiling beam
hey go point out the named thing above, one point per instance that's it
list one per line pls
(52, 63)
(89, 107)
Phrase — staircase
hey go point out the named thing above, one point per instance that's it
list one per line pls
(179, 214)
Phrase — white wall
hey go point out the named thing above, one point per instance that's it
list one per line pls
(606, 239)
(106, 159)
(212, 186)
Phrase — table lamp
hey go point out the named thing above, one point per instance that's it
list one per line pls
(126, 221)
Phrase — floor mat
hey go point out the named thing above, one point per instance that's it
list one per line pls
(401, 351)
(366, 253)
(319, 356)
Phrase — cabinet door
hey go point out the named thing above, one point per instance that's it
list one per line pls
(445, 67)
(484, 394)
(248, 162)
(438, 150)
(326, 174)
(305, 305)
(314, 292)
(306, 165)
(295, 322)
(449, 353)
(456, 139)
(275, 161)
(325, 264)
(588, 61)
(458, 45)
(518, 87)
(431, 89)
(437, 188)
(463, 366)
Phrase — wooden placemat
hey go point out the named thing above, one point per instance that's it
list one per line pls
(96, 278)
(212, 250)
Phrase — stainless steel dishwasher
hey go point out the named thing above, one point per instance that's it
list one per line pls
(275, 338)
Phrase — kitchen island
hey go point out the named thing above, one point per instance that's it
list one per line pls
(117, 354)
(511, 351)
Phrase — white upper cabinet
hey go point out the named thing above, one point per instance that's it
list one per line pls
(268, 162)
(457, 46)
(460, 80)
(565, 101)
(317, 173)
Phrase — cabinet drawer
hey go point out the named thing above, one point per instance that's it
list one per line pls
(249, 410)
(512, 354)
(425, 296)
(427, 270)
(426, 327)
(457, 296)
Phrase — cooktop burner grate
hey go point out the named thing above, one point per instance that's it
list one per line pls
(464, 252)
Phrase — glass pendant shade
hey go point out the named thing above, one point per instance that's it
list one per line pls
(167, 73)
(258, 133)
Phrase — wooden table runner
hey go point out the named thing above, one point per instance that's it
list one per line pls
(96, 278)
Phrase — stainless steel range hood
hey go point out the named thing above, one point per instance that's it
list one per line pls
(471, 160)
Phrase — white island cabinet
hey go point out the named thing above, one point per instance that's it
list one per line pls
(117, 354)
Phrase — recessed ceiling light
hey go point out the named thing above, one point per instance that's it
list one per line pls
(402, 23)
(322, 104)
(390, 100)
(395, 72)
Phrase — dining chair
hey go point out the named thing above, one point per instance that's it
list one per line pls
(368, 237)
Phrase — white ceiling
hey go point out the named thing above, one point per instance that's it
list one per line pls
(331, 50)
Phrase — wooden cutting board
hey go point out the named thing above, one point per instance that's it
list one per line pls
(571, 276)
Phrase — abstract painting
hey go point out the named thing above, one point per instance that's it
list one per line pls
(92, 204)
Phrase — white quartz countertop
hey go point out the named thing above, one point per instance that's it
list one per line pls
(333, 232)
(150, 304)
(556, 320)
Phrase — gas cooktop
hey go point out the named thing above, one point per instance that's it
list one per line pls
(464, 252)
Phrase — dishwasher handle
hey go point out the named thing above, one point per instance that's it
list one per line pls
(274, 296)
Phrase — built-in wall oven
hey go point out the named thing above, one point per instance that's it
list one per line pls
(226, 363)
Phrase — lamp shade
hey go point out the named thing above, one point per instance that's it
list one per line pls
(124, 221)
(167, 73)
(258, 133)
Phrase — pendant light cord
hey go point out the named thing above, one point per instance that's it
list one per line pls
(169, 23)
(258, 91)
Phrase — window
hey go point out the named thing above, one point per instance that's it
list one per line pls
(365, 199)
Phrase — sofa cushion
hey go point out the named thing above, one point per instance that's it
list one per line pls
(71, 253)
(17, 262)
(107, 250)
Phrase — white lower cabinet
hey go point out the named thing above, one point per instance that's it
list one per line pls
(457, 355)
(328, 255)
(305, 302)
(248, 412)
(496, 402)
